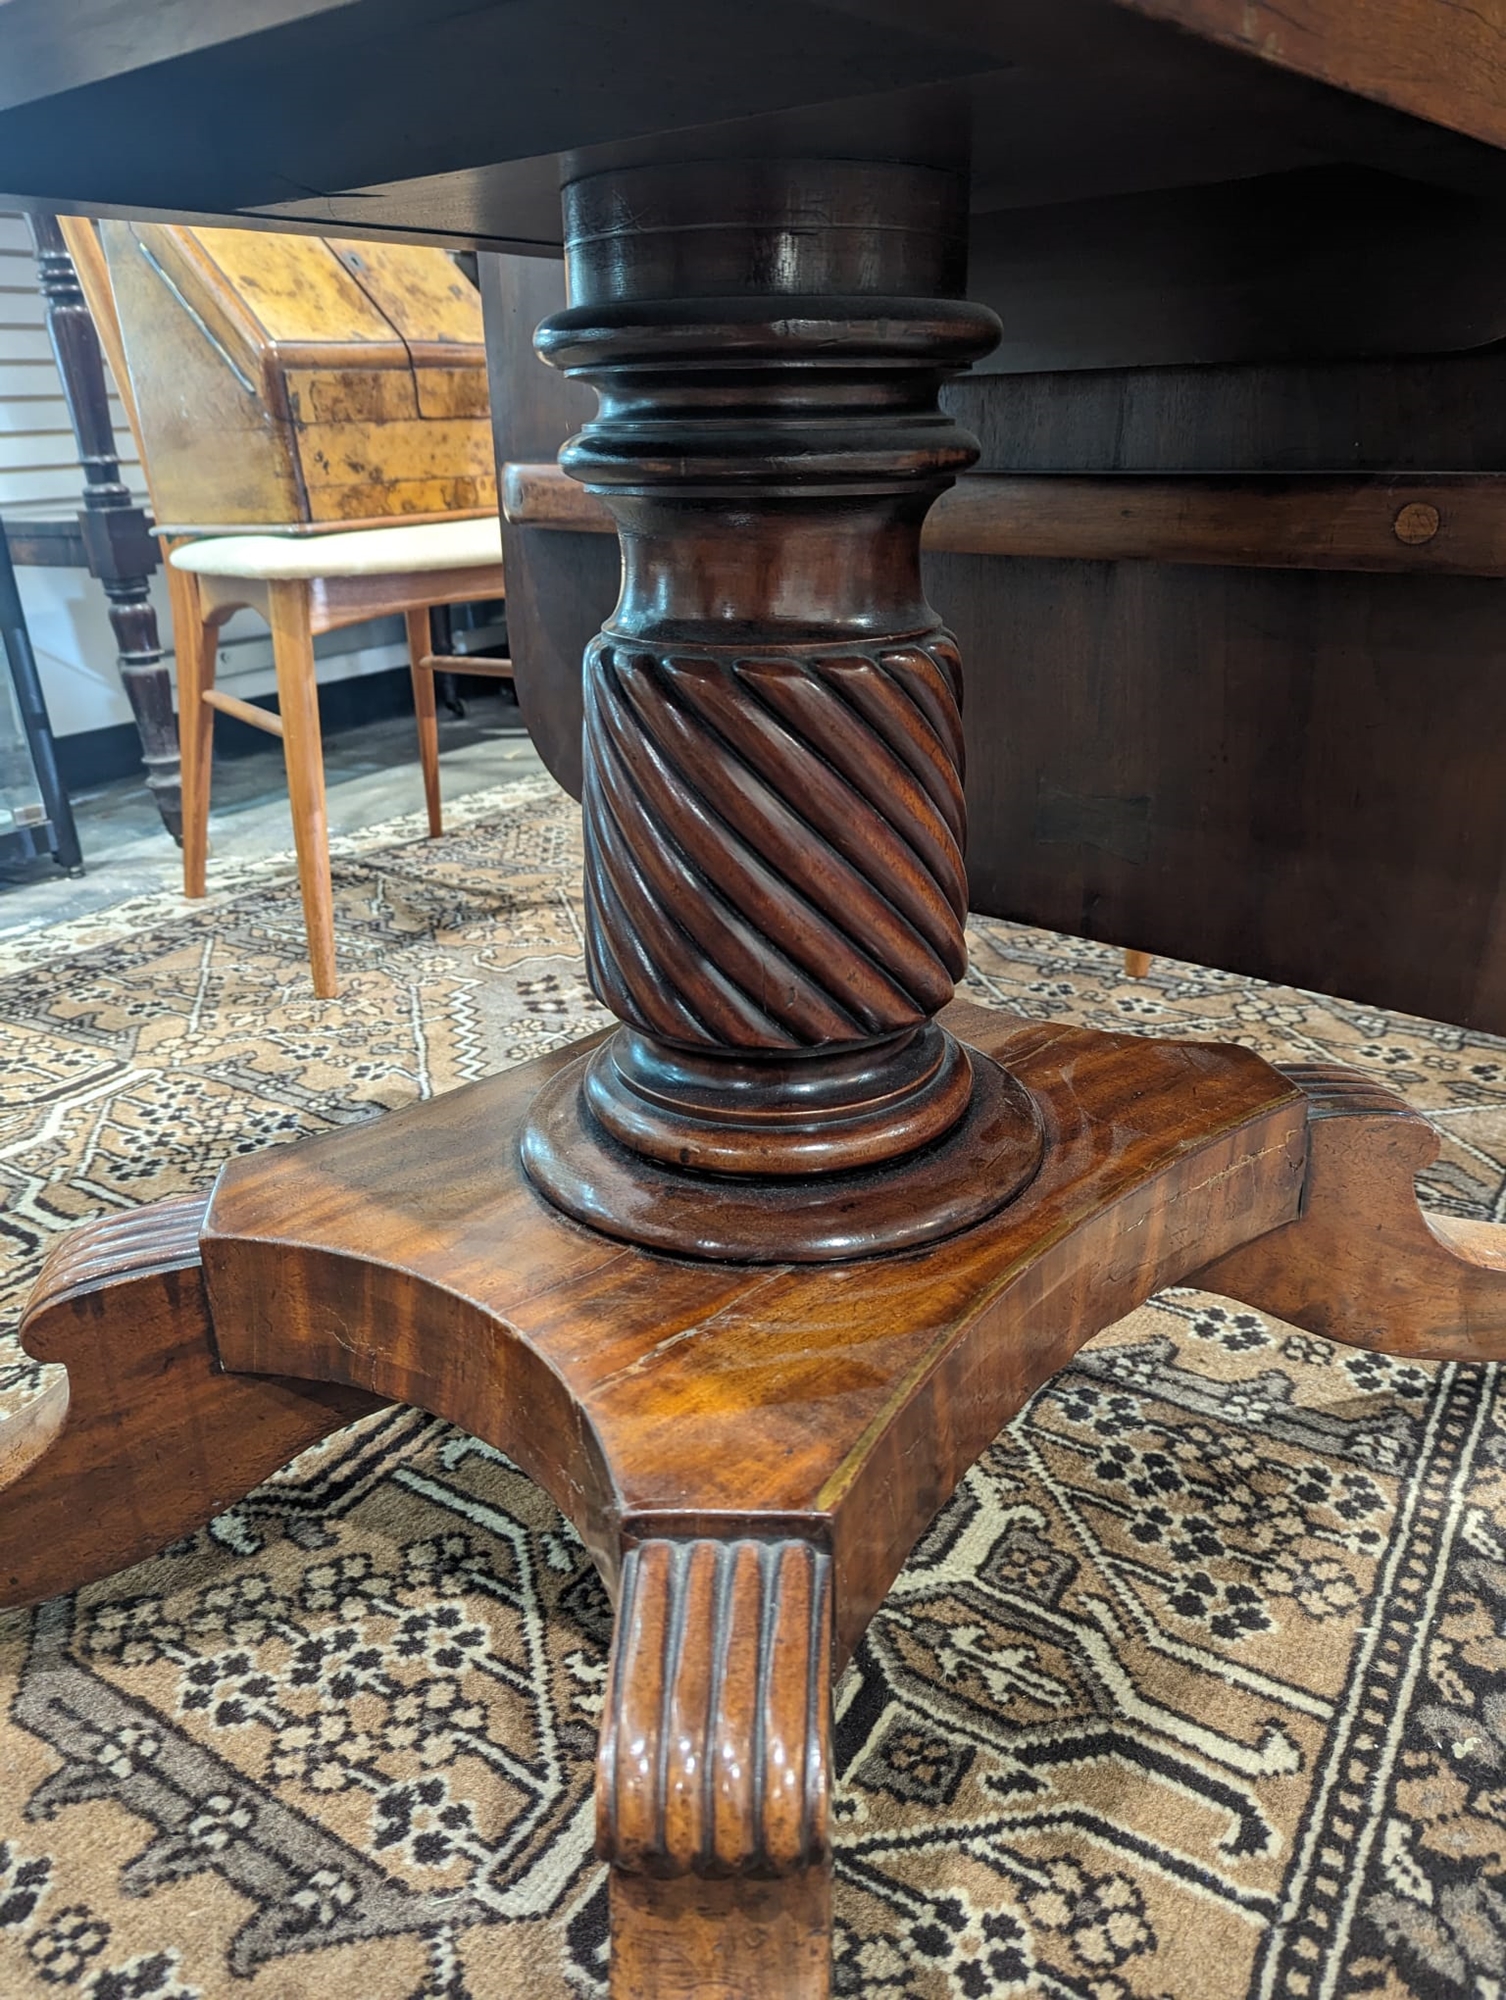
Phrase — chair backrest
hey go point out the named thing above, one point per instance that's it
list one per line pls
(291, 382)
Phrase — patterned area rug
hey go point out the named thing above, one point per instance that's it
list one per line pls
(1197, 1687)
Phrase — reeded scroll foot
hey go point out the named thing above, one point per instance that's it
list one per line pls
(1362, 1263)
(713, 1774)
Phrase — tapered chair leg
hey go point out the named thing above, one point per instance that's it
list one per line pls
(298, 701)
(195, 644)
(420, 646)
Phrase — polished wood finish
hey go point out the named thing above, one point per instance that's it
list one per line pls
(1362, 1263)
(1288, 815)
(264, 719)
(1264, 771)
(350, 600)
(1446, 526)
(721, 1860)
(118, 549)
(414, 1259)
(43, 544)
(579, 1149)
(545, 496)
(426, 713)
(749, 1454)
(228, 107)
(297, 612)
(561, 585)
(196, 643)
(1261, 770)
(424, 663)
(1440, 63)
(385, 335)
(774, 883)
(723, 1655)
(1329, 261)
(144, 1438)
(303, 754)
(86, 254)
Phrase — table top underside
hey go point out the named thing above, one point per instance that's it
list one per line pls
(456, 122)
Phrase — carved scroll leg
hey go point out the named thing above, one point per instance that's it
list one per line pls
(146, 1439)
(1362, 1263)
(714, 1772)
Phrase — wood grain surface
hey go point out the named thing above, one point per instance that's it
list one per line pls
(1430, 58)
(749, 1454)
(1363, 1264)
(654, 1395)
(286, 379)
(772, 790)
(145, 1438)
(723, 1657)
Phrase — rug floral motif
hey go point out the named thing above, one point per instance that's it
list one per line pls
(1196, 1687)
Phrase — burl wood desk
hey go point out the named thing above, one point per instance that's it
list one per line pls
(748, 1283)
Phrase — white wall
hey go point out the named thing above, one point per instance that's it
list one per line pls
(40, 476)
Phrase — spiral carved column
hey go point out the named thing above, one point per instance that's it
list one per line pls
(774, 821)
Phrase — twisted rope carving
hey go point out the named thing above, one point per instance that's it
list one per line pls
(774, 839)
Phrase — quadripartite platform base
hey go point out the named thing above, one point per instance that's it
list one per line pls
(750, 1452)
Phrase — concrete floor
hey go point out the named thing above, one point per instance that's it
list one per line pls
(371, 774)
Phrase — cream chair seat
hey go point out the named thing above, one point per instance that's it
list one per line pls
(302, 585)
(426, 545)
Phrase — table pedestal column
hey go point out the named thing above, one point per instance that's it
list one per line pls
(775, 890)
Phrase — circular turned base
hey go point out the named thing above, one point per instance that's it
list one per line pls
(827, 1112)
(984, 1160)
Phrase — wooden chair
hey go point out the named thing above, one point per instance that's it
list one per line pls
(298, 388)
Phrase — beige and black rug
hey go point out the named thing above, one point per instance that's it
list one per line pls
(1196, 1688)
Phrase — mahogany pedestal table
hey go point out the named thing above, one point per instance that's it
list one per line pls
(748, 1283)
